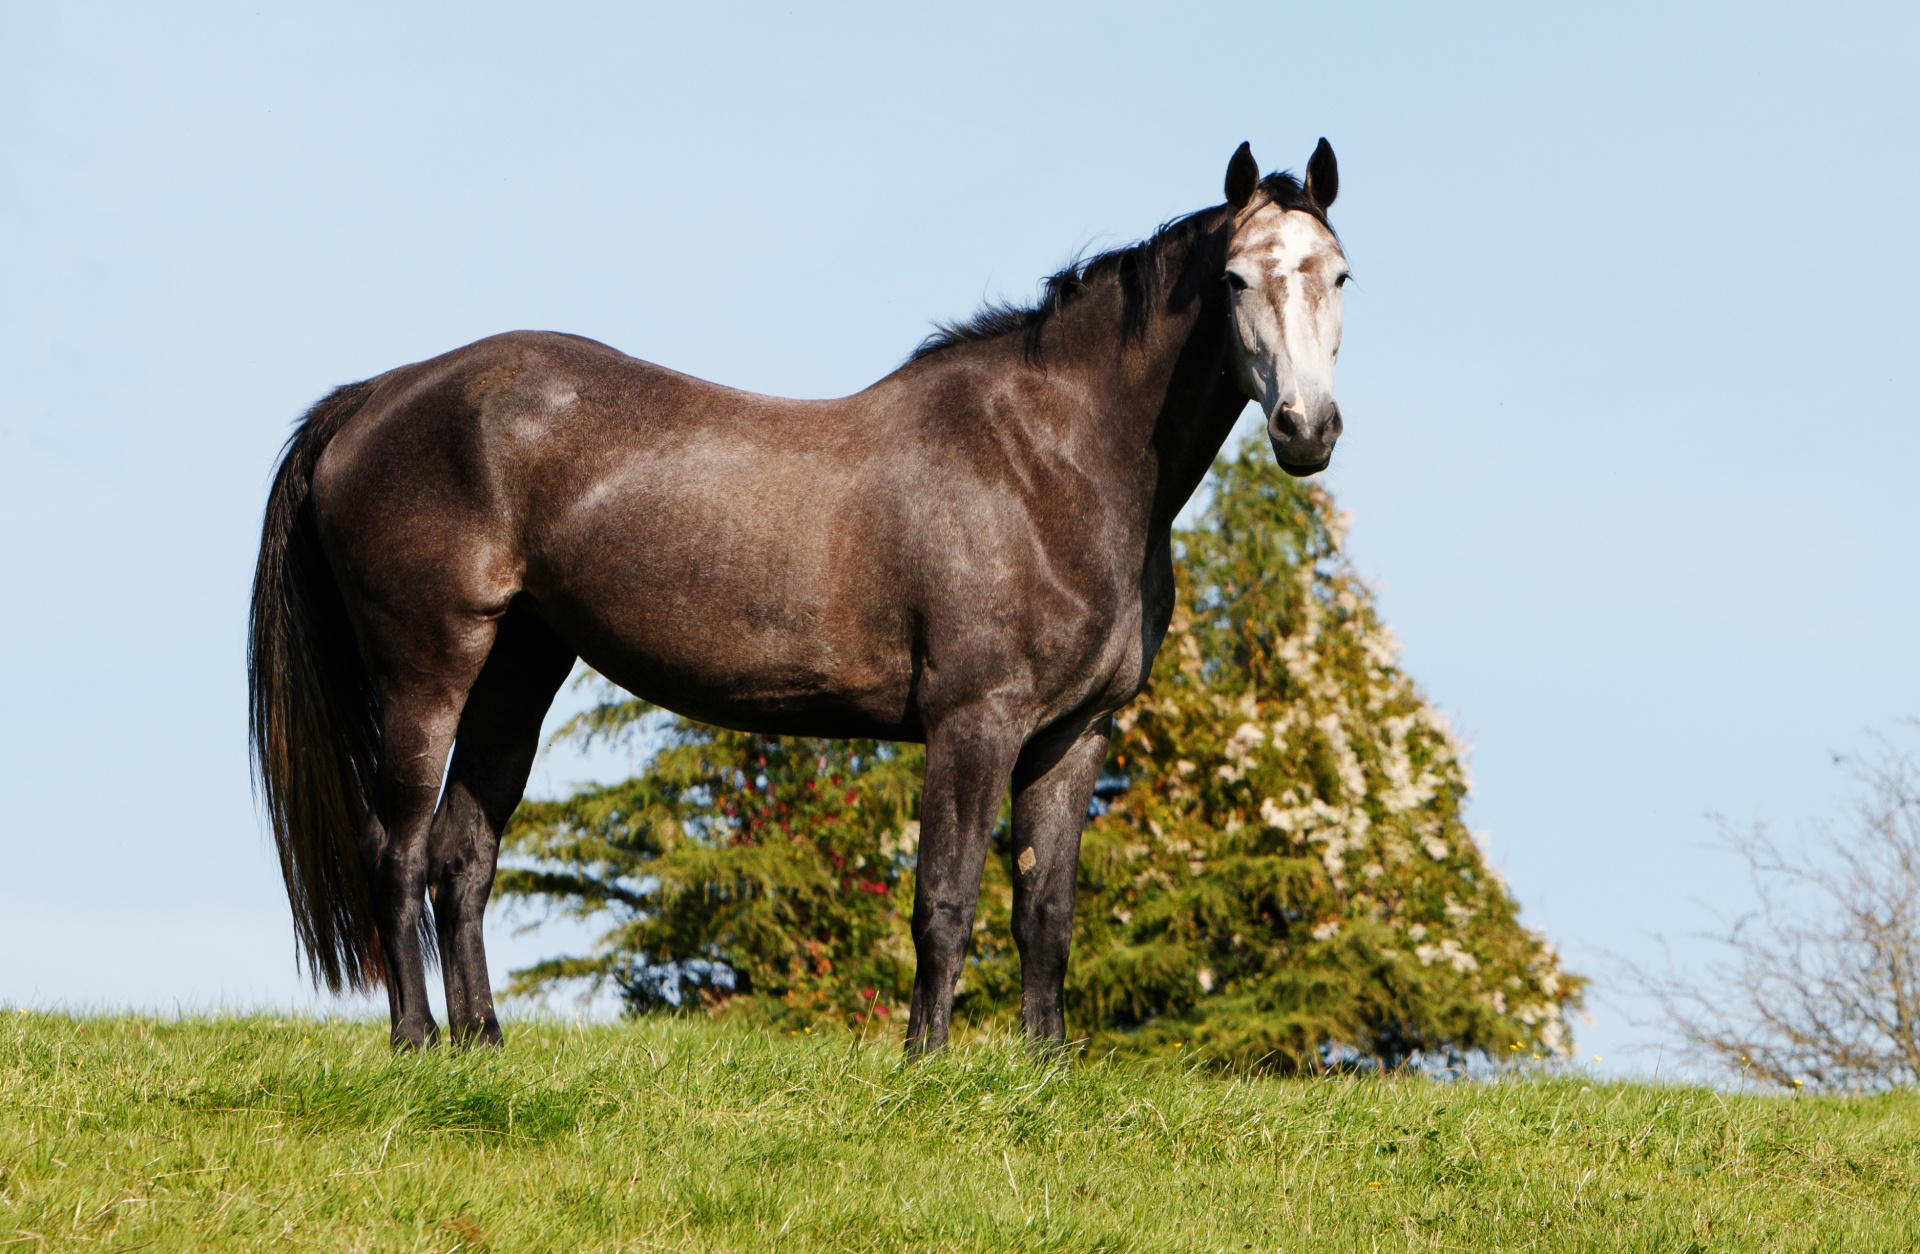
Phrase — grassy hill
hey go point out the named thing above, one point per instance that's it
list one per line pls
(245, 1133)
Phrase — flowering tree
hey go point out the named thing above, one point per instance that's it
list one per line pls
(1287, 881)
(1281, 878)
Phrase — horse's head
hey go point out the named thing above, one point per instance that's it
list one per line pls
(1284, 274)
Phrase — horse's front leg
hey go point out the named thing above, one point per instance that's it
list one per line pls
(970, 756)
(1052, 786)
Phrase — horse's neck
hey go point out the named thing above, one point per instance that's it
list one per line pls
(1169, 397)
(1202, 403)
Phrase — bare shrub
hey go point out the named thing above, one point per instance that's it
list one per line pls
(1819, 985)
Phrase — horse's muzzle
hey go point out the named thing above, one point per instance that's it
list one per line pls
(1302, 445)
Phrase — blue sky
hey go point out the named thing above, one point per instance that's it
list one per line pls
(1626, 373)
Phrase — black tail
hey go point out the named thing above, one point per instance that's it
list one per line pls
(315, 717)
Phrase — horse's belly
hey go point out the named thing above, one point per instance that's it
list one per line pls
(748, 657)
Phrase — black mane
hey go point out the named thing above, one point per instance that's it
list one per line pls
(1136, 268)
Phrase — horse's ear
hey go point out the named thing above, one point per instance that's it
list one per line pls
(1323, 175)
(1243, 175)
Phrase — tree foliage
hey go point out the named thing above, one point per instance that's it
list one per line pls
(1288, 878)
(738, 871)
(1281, 878)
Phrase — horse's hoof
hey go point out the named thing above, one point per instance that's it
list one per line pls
(484, 1035)
(411, 1037)
(919, 1047)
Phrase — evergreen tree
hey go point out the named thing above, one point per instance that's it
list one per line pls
(1281, 880)
(740, 872)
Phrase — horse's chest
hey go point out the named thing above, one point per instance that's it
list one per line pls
(1155, 612)
(1130, 633)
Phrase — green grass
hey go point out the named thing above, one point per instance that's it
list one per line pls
(244, 1133)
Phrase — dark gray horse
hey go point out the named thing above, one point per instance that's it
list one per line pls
(973, 552)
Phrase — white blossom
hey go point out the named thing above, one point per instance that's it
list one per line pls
(1346, 764)
(1449, 949)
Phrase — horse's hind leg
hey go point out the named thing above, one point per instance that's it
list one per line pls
(423, 665)
(492, 756)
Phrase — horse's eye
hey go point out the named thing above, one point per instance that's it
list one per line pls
(1235, 282)
(1342, 280)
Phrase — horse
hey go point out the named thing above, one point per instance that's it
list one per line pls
(973, 553)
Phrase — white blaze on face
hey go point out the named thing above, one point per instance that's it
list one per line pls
(1284, 272)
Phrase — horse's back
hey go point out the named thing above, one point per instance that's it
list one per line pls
(511, 430)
